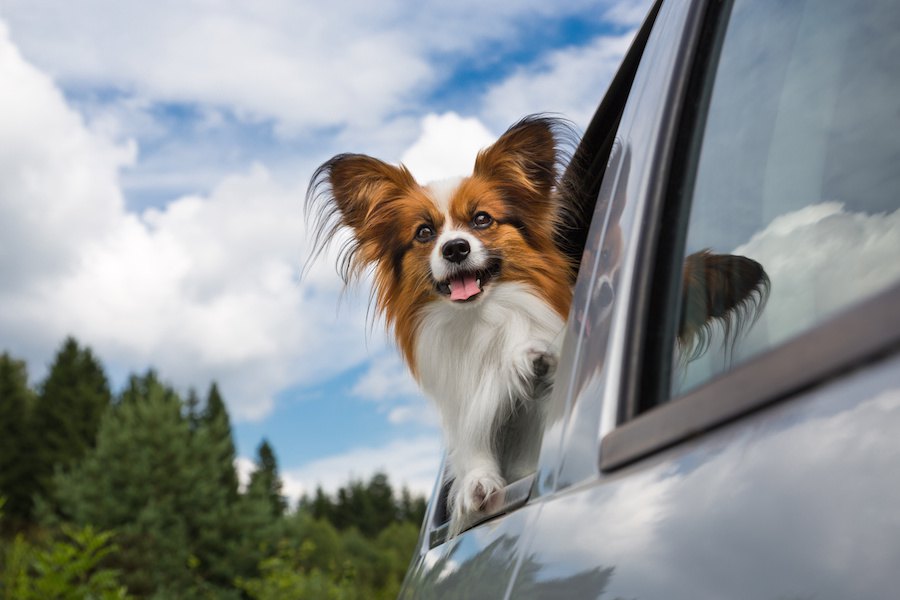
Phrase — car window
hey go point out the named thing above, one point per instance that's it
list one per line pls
(793, 180)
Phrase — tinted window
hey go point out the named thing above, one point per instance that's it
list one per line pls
(793, 201)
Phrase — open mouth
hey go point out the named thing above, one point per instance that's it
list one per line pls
(465, 286)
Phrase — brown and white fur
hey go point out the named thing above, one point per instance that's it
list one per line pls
(469, 277)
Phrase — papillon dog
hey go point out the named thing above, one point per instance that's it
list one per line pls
(469, 275)
(474, 276)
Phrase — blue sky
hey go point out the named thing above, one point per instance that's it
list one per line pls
(153, 164)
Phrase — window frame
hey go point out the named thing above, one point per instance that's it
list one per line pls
(862, 333)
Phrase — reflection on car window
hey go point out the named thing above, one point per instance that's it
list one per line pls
(794, 200)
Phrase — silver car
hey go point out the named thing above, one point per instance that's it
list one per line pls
(757, 457)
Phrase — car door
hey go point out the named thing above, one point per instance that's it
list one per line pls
(764, 465)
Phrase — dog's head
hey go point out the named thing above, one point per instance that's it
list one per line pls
(450, 241)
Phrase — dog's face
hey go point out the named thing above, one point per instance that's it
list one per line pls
(450, 241)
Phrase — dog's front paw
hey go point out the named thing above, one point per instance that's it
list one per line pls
(480, 490)
(536, 361)
(543, 363)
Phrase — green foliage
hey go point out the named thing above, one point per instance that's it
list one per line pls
(315, 560)
(67, 413)
(369, 507)
(159, 472)
(264, 481)
(284, 576)
(69, 568)
(138, 481)
(18, 467)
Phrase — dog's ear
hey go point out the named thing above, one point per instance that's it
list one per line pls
(358, 184)
(354, 191)
(724, 288)
(524, 159)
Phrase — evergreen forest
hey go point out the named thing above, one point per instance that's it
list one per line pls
(134, 494)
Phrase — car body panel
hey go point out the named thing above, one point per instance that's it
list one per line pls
(799, 500)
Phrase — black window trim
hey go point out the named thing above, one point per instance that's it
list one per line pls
(855, 336)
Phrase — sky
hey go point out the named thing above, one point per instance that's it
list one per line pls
(154, 158)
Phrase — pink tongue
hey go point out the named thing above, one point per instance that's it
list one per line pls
(463, 288)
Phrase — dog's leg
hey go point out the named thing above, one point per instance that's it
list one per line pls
(533, 368)
(477, 487)
(478, 483)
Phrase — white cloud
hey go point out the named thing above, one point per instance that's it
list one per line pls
(446, 147)
(301, 64)
(411, 462)
(628, 12)
(203, 289)
(388, 382)
(58, 186)
(570, 82)
(244, 467)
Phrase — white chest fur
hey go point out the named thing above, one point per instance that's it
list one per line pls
(471, 358)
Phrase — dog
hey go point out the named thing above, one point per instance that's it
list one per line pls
(474, 276)
(469, 276)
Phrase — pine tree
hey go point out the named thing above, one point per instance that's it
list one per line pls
(17, 465)
(215, 439)
(321, 506)
(384, 507)
(192, 405)
(138, 481)
(260, 512)
(68, 410)
(265, 480)
(214, 525)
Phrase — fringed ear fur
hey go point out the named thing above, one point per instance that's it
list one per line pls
(527, 162)
(719, 288)
(353, 191)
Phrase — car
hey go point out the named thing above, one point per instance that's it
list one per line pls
(763, 459)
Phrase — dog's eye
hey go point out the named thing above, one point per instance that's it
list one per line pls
(481, 220)
(424, 233)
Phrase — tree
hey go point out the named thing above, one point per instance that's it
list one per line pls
(17, 459)
(68, 410)
(265, 480)
(383, 506)
(214, 526)
(321, 506)
(138, 481)
(192, 406)
(215, 440)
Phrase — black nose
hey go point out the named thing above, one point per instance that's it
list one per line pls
(456, 250)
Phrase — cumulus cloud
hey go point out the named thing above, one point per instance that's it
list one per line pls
(388, 382)
(300, 64)
(570, 81)
(446, 147)
(205, 288)
(58, 180)
(411, 462)
(628, 12)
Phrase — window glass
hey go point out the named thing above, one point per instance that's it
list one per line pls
(796, 178)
